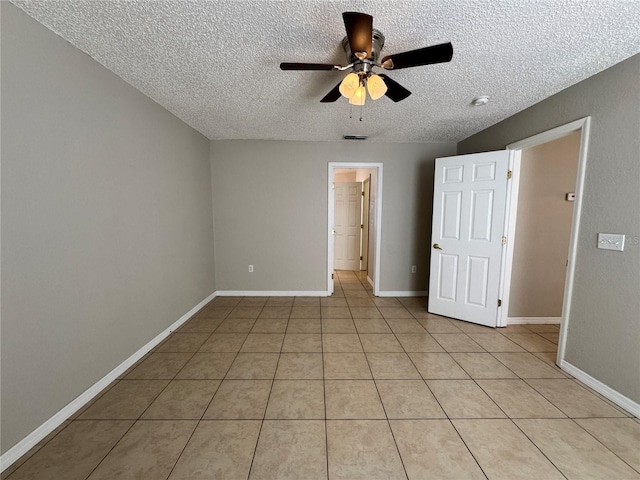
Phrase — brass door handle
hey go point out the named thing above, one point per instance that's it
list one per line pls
(437, 247)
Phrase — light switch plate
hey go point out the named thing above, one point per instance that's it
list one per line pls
(611, 241)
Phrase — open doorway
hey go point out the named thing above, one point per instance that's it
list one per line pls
(354, 220)
(574, 138)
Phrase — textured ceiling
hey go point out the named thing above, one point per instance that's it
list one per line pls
(214, 64)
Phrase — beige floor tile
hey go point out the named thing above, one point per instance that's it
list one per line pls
(362, 450)
(208, 366)
(304, 325)
(182, 400)
(253, 366)
(544, 328)
(306, 301)
(504, 452)
(365, 312)
(201, 325)
(291, 450)
(239, 400)
(346, 366)
(246, 312)
(405, 325)
(433, 449)
(572, 399)
(263, 343)
(519, 400)
(437, 366)
(280, 301)
(296, 399)
(218, 450)
(386, 302)
(236, 325)
(149, 450)
(333, 302)
(515, 329)
(352, 399)
(482, 365)
(574, 451)
(532, 342)
(74, 452)
(300, 366)
(548, 357)
(377, 342)
(158, 366)
(128, 399)
(225, 301)
(306, 311)
(335, 312)
(253, 301)
(215, 311)
(526, 365)
(620, 435)
(438, 325)
(457, 342)
(495, 342)
(302, 342)
(360, 302)
(468, 327)
(224, 342)
(270, 325)
(280, 311)
(419, 342)
(183, 342)
(341, 343)
(393, 366)
(371, 325)
(395, 312)
(408, 399)
(552, 337)
(338, 325)
(464, 399)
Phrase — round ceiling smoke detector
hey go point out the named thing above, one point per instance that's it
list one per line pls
(480, 101)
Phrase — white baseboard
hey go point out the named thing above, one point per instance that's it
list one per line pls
(606, 391)
(402, 293)
(370, 281)
(31, 440)
(272, 293)
(526, 320)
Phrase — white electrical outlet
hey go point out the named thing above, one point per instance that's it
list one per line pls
(413, 269)
(611, 241)
(250, 268)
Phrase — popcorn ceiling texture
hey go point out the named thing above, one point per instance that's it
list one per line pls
(214, 64)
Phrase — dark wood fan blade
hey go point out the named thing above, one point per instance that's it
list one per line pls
(359, 28)
(307, 66)
(395, 91)
(423, 56)
(333, 95)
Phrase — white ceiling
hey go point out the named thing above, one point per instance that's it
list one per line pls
(214, 64)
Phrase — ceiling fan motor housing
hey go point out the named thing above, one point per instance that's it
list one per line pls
(376, 47)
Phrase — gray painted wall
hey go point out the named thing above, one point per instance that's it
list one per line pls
(543, 229)
(604, 327)
(106, 222)
(279, 222)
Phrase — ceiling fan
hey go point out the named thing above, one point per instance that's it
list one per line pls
(362, 46)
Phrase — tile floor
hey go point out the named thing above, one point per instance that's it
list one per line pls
(346, 387)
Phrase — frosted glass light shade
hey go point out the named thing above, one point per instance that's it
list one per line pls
(349, 85)
(359, 96)
(376, 87)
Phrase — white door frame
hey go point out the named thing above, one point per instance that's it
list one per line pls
(333, 166)
(515, 156)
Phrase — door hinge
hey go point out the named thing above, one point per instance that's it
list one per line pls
(504, 240)
(363, 194)
(509, 174)
(362, 225)
(360, 257)
(332, 276)
(499, 302)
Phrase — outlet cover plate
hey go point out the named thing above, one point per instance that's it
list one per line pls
(611, 241)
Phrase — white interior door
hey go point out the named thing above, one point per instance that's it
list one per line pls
(469, 203)
(366, 190)
(348, 199)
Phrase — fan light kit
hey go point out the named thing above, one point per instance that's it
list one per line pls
(480, 101)
(362, 47)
